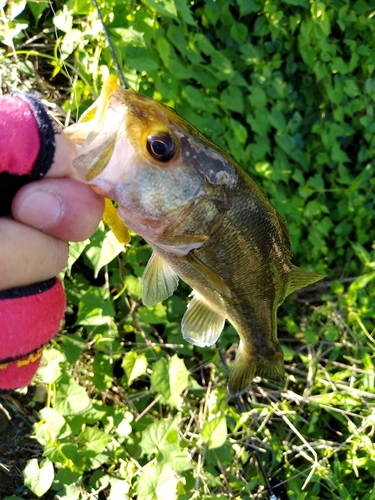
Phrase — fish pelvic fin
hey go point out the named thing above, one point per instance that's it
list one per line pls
(250, 365)
(300, 278)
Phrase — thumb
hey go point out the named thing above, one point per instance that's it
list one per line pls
(66, 150)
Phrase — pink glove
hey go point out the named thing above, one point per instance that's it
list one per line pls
(29, 316)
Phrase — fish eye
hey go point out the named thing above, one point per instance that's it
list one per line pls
(161, 146)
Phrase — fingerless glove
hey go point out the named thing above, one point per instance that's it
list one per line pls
(29, 316)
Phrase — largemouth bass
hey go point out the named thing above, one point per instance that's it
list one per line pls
(205, 218)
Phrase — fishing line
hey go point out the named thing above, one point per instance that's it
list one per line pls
(110, 45)
(240, 407)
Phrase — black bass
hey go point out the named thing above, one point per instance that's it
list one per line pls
(205, 218)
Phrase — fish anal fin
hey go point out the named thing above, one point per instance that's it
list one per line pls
(201, 324)
(114, 221)
(158, 280)
(300, 278)
(250, 365)
(216, 281)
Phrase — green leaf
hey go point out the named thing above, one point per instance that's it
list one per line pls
(362, 281)
(161, 436)
(63, 20)
(54, 425)
(164, 49)
(248, 6)
(214, 432)
(37, 9)
(15, 8)
(94, 309)
(104, 247)
(134, 286)
(194, 97)
(157, 482)
(119, 489)
(141, 59)
(154, 315)
(311, 336)
(169, 379)
(362, 254)
(239, 131)
(134, 366)
(38, 479)
(164, 7)
(239, 32)
(50, 370)
(277, 120)
(232, 98)
(94, 439)
(71, 399)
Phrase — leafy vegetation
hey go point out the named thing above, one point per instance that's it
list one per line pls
(288, 87)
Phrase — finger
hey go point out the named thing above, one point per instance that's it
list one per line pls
(66, 150)
(64, 208)
(28, 255)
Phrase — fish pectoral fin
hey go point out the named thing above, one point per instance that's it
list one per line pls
(158, 280)
(114, 221)
(250, 365)
(300, 278)
(211, 276)
(201, 324)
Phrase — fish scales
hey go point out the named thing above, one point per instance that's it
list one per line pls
(240, 248)
(206, 219)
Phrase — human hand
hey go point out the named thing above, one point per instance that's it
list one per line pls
(37, 220)
(46, 215)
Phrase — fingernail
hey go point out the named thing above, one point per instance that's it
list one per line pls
(41, 210)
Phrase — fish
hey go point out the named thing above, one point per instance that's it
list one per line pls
(207, 221)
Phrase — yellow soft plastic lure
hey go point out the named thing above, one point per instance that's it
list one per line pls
(113, 220)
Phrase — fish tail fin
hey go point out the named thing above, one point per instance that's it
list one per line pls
(301, 278)
(250, 365)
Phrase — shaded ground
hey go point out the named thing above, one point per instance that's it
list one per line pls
(17, 417)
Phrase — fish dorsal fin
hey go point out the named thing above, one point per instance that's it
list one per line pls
(211, 276)
(300, 278)
(201, 325)
(158, 280)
